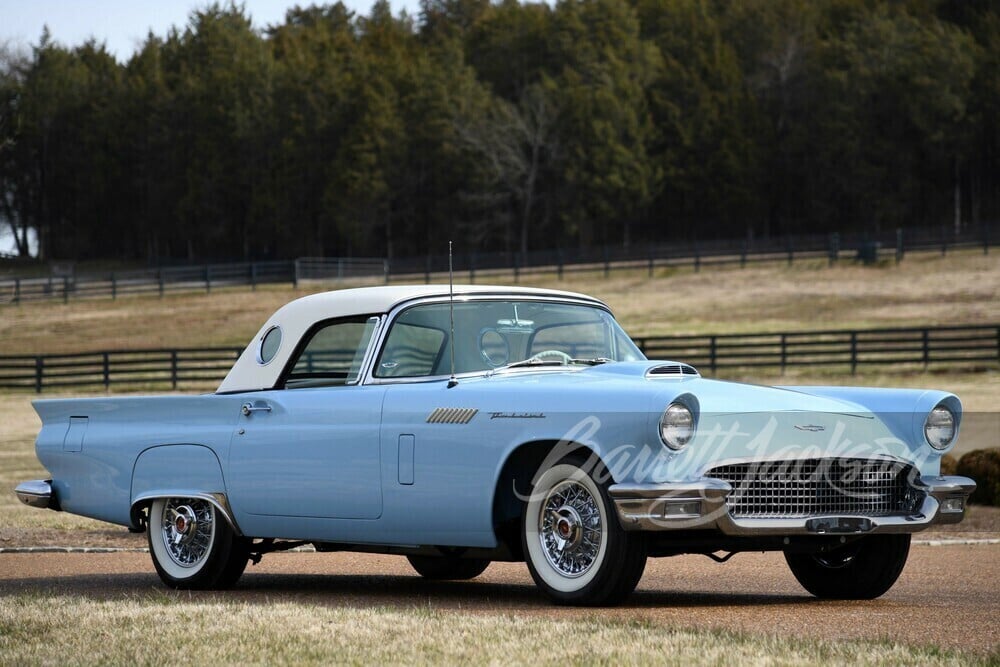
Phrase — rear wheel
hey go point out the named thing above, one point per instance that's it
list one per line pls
(576, 550)
(448, 567)
(192, 546)
(861, 570)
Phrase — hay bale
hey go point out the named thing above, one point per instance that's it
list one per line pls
(983, 466)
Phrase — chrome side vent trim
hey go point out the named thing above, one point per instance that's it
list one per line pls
(452, 415)
(672, 370)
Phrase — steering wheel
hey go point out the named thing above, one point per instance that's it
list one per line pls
(557, 354)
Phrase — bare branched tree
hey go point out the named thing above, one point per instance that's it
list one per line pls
(515, 143)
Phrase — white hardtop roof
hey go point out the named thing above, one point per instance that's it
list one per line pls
(296, 317)
(367, 300)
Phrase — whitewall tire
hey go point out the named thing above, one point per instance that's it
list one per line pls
(575, 548)
(192, 545)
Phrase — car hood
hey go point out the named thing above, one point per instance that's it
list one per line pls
(807, 415)
(635, 378)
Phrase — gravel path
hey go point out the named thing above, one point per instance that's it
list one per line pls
(947, 595)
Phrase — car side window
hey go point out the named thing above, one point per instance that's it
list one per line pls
(333, 354)
(411, 351)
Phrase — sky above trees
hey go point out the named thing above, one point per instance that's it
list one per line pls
(122, 25)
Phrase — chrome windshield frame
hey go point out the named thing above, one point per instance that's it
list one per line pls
(389, 319)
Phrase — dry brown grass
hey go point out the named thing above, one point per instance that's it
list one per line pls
(927, 290)
(924, 290)
(177, 320)
(162, 629)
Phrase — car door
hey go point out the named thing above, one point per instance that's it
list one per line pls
(311, 447)
(438, 466)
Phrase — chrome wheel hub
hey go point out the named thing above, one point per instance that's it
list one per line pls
(187, 529)
(838, 558)
(570, 529)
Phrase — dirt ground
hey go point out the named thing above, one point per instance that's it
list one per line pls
(980, 523)
(947, 595)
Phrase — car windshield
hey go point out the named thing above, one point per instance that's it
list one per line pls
(496, 334)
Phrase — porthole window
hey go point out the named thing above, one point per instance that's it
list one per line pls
(269, 344)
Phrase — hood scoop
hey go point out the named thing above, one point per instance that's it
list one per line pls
(672, 371)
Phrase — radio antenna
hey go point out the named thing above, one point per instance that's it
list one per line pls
(451, 313)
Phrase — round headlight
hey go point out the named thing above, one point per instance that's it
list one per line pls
(676, 426)
(939, 429)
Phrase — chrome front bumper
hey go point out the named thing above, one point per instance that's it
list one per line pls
(36, 493)
(702, 505)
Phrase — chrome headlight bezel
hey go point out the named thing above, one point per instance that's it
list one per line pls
(677, 426)
(940, 427)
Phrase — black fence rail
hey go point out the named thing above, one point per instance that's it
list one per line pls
(867, 247)
(153, 368)
(974, 347)
(340, 268)
(187, 278)
(959, 346)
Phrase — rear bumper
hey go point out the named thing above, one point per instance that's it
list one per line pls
(37, 493)
(702, 505)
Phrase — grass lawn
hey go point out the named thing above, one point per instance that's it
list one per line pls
(925, 289)
(157, 628)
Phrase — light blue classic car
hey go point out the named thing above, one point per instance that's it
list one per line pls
(498, 423)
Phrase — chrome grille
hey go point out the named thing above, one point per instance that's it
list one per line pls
(818, 487)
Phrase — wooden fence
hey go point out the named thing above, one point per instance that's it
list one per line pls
(117, 368)
(974, 347)
(960, 346)
(891, 245)
(187, 278)
(697, 254)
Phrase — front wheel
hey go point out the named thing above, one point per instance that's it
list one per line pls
(576, 550)
(192, 546)
(861, 570)
(448, 567)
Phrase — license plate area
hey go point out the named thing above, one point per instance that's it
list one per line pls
(839, 525)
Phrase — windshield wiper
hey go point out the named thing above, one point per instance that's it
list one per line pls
(531, 361)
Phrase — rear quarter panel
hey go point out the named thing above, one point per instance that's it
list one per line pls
(96, 481)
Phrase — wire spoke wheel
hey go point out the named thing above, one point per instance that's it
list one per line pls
(576, 550)
(570, 529)
(193, 546)
(187, 530)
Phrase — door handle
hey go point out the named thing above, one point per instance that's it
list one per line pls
(249, 408)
